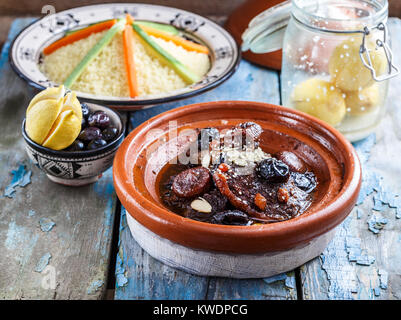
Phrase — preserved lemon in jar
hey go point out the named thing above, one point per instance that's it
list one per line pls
(336, 59)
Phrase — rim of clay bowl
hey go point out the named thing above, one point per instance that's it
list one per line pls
(85, 153)
(264, 238)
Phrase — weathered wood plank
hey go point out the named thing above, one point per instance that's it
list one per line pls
(141, 277)
(46, 229)
(376, 273)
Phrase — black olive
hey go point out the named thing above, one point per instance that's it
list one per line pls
(233, 217)
(99, 119)
(206, 136)
(89, 134)
(273, 170)
(83, 123)
(95, 144)
(109, 133)
(76, 146)
(305, 181)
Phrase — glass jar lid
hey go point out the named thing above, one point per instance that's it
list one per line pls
(265, 32)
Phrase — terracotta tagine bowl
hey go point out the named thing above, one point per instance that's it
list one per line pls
(238, 21)
(236, 251)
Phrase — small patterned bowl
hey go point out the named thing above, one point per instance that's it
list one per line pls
(76, 168)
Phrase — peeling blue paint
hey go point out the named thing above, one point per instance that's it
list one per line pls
(372, 182)
(95, 286)
(46, 224)
(249, 78)
(121, 279)
(365, 260)
(105, 191)
(340, 259)
(43, 262)
(21, 178)
(383, 278)
(369, 177)
(359, 213)
(290, 282)
(31, 213)
(376, 291)
(278, 277)
(376, 223)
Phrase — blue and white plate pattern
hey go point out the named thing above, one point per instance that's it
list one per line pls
(25, 52)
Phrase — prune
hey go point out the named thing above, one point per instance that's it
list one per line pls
(85, 110)
(89, 134)
(233, 217)
(306, 181)
(292, 161)
(206, 136)
(109, 133)
(273, 170)
(99, 119)
(95, 144)
(76, 146)
(192, 182)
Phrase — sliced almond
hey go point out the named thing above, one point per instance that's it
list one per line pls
(201, 205)
(206, 160)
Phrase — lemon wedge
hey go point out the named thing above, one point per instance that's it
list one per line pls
(54, 120)
(54, 93)
(64, 131)
(72, 103)
(321, 99)
(346, 68)
(364, 101)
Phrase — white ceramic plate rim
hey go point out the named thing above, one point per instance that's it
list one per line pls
(26, 49)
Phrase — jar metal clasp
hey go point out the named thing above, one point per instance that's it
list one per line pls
(365, 55)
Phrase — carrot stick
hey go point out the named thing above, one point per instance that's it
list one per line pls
(78, 35)
(129, 19)
(186, 44)
(129, 60)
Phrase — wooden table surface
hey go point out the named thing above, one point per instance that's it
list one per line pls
(74, 243)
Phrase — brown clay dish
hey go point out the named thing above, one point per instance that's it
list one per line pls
(331, 157)
(238, 21)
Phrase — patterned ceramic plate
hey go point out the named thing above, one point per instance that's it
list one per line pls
(25, 52)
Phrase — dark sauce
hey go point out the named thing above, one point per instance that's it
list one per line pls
(270, 191)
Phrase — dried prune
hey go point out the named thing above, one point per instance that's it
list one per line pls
(192, 182)
(292, 161)
(273, 170)
(233, 217)
(306, 181)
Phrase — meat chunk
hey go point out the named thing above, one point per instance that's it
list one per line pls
(192, 182)
(292, 161)
(262, 199)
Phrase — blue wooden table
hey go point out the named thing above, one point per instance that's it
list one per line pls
(65, 243)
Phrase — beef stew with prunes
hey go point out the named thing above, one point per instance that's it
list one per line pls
(234, 182)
